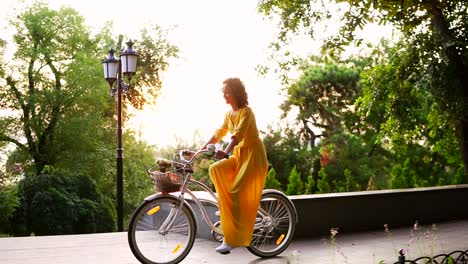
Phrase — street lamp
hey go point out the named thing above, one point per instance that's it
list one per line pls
(113, 70)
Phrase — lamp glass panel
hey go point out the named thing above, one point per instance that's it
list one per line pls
(110, 70)
(105, 66)
(129, 63)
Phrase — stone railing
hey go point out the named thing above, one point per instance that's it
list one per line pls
(370, 210)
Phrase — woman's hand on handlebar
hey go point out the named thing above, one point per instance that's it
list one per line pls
(220, 154)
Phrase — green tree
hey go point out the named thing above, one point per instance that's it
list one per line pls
(8, 204)
(322, 94)
(51, 70)
(402, 176)
(295, 184)
(403, 116)
(58, 203)
(325, 95)
(323, 186)
(310, 185)
(434, 30)
(54, 86)
(285, 149)
(271, 181)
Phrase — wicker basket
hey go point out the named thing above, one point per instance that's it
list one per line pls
(166, 182)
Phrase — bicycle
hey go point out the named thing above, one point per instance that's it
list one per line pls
(163, 228)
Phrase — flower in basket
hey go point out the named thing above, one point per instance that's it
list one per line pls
(164, 165)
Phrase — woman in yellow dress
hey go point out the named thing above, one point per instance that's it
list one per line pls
(239, 179)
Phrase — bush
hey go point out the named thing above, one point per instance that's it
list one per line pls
(295, 185)
(52, 204)
(271, 181)
(8, 204)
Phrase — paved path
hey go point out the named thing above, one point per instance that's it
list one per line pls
(362, 248)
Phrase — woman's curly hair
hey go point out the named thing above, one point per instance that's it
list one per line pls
(236, 88)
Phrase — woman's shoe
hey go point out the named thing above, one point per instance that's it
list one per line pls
(224, 248)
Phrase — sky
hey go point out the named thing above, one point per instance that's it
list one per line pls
(217, 39)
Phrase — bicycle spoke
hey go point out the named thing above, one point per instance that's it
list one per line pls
(145, 225)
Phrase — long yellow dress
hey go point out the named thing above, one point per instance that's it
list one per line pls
(239, 180)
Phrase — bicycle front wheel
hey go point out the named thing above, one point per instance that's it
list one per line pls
(274, 227)
(162, 232)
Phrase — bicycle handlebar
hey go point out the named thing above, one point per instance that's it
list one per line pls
(209, 150)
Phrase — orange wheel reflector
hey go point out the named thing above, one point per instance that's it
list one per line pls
(177, 248)
(280, 239)
(154, 210)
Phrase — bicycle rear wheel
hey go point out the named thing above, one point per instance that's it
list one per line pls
(273, 232)
(148, 239)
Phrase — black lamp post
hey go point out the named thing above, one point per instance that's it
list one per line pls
(113, 70)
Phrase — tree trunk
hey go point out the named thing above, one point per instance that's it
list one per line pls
(312, 136)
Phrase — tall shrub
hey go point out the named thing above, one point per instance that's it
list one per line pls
(295, 185)
(57, 203)
(271, 181)
(8, 204)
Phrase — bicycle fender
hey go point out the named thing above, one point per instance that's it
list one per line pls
(160, 195)
(265, 191)
(154, 196)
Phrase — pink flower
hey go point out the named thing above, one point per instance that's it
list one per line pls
(334, 231)
(386, 228)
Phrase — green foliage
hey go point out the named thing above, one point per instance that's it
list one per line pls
(62, 103)
(402, 176)
(323, 186)
(8, 204)
(406, 118)
(58, 203)
(351, 166)
(392, 121)
(137, 183)
(426, 72)
(310, 185)
(285, 149)
(56, 64)
(271, 181)
(51, 69)
(422, 168)
(323, 94)
(295, 184)
(408, 16)
(351, 183)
